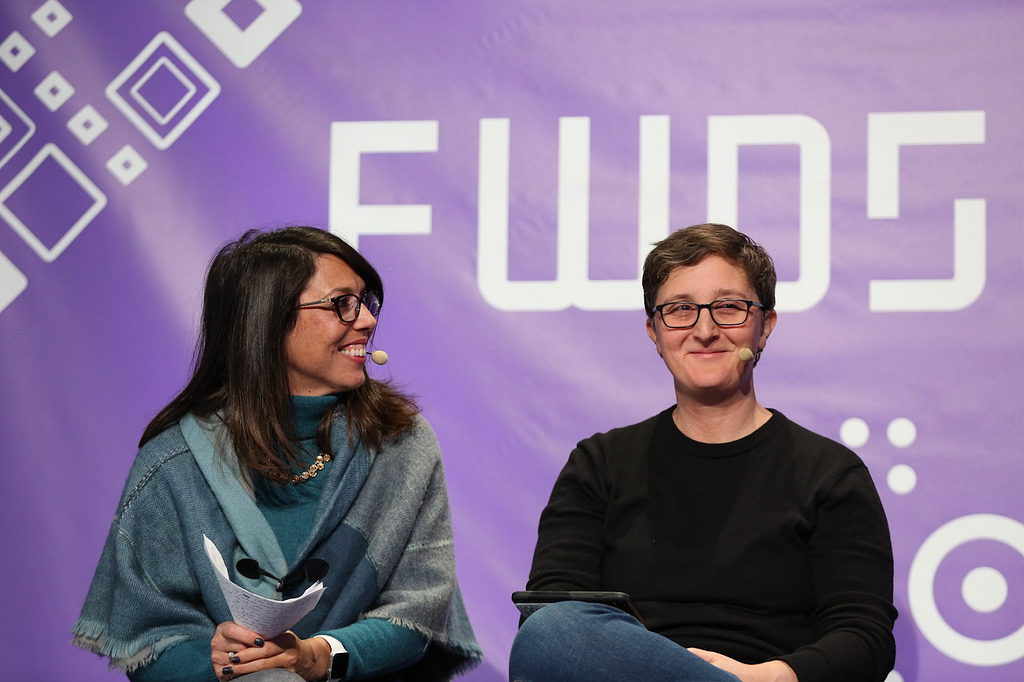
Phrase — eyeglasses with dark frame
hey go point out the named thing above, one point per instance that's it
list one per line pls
(725, 312)
(348, 306)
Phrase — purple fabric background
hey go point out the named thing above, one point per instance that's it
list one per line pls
(101, 335)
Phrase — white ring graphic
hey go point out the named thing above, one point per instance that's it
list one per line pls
(922, 596)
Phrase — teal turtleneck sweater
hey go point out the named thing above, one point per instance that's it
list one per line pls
(375, 646)
(290, 509)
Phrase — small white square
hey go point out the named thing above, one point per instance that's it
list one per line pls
(15, 51)
(126, 165)
(51, 17)
(54, 91)
(87, 124)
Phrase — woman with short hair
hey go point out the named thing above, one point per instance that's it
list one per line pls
(752, 547)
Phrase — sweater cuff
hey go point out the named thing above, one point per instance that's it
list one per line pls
(809, 665)
(377, 646)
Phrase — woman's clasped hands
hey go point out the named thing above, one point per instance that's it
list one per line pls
(235, 650)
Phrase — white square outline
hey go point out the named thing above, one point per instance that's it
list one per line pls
(163, 141)
(24, 119)
(13, 62)
(5, 129)
(99, 202)
(65, 91)
(87, 135)
(52, 28)
(12, 282)
(190, 88)
(243, 47)
(128, 153)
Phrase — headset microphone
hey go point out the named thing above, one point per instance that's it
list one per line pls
(745, 354)
(379, 356)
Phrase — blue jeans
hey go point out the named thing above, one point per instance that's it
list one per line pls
(575, 641)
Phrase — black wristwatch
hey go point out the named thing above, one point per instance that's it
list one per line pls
(339, 665)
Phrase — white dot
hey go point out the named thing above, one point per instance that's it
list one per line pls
(854, 432)
(984, 589)
(902, 479)
(894, 677)
(901, 432)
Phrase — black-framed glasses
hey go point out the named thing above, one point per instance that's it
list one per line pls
(348, 306)
(725, 312)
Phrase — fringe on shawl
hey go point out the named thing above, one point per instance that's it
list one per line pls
(470, 656)
(125, 656)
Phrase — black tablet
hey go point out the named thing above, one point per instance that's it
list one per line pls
(528, 601)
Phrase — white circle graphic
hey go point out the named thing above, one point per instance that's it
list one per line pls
(984, 589)
(901, 432)
(920, 589)
(854, 432)
(894, 676)
(902, 479)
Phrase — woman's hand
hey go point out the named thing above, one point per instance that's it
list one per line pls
(235, 651)
(772, 671)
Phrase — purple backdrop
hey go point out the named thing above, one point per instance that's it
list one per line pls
(503, 165)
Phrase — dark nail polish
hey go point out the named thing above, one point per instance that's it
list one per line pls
(227, 671)
(259, 641)
(235, 659)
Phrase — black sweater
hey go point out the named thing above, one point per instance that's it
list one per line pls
(772, 546)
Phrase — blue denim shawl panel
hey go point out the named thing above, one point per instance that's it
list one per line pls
(141, 602)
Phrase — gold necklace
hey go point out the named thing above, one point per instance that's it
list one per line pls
(316, 467)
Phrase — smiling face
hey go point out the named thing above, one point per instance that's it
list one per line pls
(704, 359)
(325, 355)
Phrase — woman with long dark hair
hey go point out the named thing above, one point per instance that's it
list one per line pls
(281, 449)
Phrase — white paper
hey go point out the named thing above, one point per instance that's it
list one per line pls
(266, 617)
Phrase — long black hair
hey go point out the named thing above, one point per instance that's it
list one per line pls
(239, 367)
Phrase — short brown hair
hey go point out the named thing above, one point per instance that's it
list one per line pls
(693, 244)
